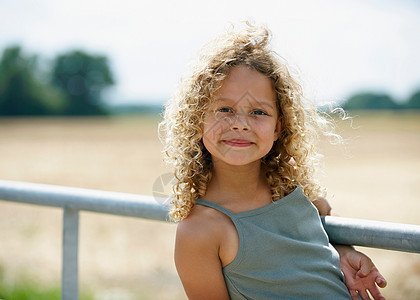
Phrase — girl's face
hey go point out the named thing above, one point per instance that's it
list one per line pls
(242, 121)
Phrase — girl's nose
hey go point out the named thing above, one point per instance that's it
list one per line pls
(239, 123)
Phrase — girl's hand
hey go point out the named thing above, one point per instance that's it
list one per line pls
(360, 274)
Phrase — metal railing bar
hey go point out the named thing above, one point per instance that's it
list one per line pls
(375, 234)
(123, 204)
(385, 235)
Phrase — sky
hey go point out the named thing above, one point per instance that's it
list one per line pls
(335, 47)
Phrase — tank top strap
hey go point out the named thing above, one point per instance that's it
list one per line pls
(215, 206)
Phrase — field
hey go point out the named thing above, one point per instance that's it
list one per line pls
(374, 176)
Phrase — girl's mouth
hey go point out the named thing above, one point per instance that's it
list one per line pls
(238, 143)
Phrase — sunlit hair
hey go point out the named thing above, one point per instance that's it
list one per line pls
(293, 159)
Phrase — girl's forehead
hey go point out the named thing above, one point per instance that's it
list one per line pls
(245, 85)
(241, 79)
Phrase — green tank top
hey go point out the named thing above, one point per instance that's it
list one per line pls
(284, 253)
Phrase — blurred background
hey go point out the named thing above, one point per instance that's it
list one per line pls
(82, 84)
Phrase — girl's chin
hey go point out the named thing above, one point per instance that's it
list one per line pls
(237, 161)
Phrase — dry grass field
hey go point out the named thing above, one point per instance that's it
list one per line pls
(375, 176)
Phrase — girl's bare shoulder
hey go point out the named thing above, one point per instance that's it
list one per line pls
(203, 224)
(197, 257)
(207, 233)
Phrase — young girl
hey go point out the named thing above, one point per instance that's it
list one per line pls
(242, 140)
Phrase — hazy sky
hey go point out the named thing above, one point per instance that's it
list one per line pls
(338, 47)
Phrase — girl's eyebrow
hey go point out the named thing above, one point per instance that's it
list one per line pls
(263, 103)
(224, 99)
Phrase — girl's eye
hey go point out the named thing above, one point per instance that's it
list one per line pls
(225, 110)
(259, 112)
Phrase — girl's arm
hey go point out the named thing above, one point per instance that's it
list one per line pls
(197, 261)
(359, 271)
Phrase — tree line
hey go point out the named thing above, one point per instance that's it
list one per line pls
(380, 101)
(71, 84)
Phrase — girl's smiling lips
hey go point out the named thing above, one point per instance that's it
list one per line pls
(238, 143)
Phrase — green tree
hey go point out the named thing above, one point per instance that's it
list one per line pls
(83, 78)
(21, 90)
(370, 101)
(414, 101)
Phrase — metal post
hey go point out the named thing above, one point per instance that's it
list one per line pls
(70, 284)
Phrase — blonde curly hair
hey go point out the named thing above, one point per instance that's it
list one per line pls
(293, 159)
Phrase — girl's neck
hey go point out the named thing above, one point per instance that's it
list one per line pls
(238, 186)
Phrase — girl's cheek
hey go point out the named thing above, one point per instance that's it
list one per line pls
(221, 124)
(212, 130)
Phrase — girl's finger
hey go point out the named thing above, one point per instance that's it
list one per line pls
(380, 281)
(365, 268)
(376, 294)
(364, 295)
(354, 295)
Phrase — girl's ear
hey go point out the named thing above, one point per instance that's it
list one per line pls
(279, 127)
